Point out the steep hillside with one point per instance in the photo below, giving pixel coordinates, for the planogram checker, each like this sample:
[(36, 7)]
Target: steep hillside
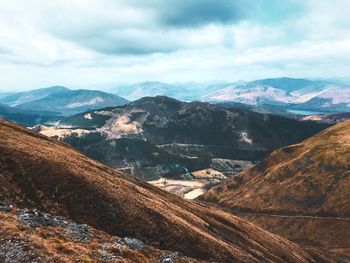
[(62, 101), (307, 183), (41, 173), (179, 135)]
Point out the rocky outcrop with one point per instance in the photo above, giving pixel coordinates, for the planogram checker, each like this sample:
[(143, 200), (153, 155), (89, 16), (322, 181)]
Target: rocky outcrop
[(31, 236), (33, 218), (131, 243)]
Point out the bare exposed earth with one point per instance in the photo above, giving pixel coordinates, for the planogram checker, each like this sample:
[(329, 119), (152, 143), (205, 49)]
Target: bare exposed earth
[(40, 173), (189, 189), (59, 132), (328, 118), (194, 184), (301, 191)]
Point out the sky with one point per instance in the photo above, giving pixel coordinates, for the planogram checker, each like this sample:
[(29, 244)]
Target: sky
[(100, 43)]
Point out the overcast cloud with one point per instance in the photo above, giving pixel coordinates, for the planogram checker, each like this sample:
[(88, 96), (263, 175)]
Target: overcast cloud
[(96, 43)]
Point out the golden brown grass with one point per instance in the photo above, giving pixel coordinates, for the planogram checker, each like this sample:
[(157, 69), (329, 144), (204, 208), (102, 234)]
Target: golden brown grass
[(309, 178), (50, 245)]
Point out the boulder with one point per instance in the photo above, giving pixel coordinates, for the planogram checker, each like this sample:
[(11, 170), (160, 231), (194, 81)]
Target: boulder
[(131, 243)]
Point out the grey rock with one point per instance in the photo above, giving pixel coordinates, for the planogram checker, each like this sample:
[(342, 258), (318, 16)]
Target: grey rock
[(169, 257), (78, 232), (103, 255), (129, 242), (5, 209), (15, 251)]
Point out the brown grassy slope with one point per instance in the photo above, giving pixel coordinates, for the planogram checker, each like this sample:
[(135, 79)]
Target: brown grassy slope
[(38, 172), (23, 243), (312, 178), (334, 235), (309, 178)]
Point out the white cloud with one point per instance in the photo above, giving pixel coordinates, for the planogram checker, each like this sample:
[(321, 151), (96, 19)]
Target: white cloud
[(251, 34), (305, 52), (326, 19), (88, 42)]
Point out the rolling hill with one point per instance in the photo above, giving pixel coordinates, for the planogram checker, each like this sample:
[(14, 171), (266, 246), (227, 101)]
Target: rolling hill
[(40, 173), (300, 191), (61, 101), (27, 117), (161, 136), (182, 91)]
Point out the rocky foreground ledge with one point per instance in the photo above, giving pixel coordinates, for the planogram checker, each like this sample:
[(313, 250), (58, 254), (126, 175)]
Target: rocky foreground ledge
[(32, 236)]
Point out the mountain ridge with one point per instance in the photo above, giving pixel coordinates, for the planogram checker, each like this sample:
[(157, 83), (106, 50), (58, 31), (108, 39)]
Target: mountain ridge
[(285, 93), (186, 134), (300, 191), (325, 148)]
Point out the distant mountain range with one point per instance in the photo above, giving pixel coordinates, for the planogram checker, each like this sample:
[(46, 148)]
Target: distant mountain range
[(27, 117), (282, 96), (61, 101), (4, 94), (287, 93), (279, 93), (189, 91)]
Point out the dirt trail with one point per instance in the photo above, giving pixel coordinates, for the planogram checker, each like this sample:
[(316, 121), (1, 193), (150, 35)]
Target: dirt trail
[(290, 216)]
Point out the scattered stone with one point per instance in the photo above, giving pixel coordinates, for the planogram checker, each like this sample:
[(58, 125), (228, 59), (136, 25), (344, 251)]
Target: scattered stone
[(106, 252), (78, 232), (37, 128), (106, 247), (103, 255), (129, 242), (169, 257), (5, 209), (15, 251)]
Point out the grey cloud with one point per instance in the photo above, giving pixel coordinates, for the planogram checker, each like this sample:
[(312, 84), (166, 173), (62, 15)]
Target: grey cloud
[(157, 33), (5, 51), (110, 41), (185, 13), (124, 42)]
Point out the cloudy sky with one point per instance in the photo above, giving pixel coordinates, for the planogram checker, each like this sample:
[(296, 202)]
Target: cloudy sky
[(98, 43)]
